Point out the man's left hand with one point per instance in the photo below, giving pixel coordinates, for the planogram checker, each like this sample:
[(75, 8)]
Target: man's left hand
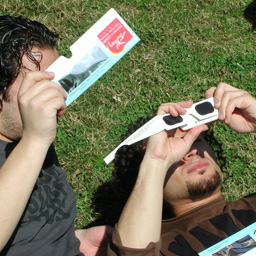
[(237, 108)]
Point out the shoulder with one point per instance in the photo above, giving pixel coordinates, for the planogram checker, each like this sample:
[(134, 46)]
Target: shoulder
[(247, 202)]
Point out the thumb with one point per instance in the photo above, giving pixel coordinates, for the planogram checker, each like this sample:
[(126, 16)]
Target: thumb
[(193, 133)]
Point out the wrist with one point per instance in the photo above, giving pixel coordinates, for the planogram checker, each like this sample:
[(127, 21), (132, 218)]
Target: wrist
[(154, 168), (162, 164), (35, 144), (37, 139)]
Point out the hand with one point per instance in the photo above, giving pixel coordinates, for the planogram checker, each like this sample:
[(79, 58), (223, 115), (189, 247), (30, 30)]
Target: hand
[(171, 146), (41, 101), (237, 108), (94, 241)]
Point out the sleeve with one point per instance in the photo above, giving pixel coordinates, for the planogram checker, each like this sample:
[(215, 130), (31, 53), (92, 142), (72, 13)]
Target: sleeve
[(115, 248)]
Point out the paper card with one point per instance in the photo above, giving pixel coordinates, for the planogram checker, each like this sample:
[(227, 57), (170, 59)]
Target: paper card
[(240, 243), (93, 54)]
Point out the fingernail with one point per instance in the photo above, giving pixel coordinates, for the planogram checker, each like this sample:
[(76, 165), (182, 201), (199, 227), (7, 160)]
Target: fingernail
[(220, 116), (50, 73)]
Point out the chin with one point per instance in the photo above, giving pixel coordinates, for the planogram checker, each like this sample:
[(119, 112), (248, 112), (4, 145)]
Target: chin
[(205, 186)]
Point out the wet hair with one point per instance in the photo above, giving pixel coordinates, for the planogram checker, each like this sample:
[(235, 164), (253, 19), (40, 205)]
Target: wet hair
[(18, 36)]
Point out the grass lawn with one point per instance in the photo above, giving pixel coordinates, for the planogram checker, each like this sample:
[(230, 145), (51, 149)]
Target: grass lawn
[(186, 47)]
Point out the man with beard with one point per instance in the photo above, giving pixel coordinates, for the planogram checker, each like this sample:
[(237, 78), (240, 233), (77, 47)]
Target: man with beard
[(179, 168)]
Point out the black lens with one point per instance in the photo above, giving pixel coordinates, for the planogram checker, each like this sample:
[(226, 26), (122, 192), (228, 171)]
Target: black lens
[(204, 108), (170, 120)]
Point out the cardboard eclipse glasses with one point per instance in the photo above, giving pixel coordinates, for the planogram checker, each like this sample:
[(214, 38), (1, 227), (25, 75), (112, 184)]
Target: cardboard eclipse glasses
[(199, 113)]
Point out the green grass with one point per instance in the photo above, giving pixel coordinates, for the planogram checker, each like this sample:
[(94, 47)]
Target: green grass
[(185, 48)]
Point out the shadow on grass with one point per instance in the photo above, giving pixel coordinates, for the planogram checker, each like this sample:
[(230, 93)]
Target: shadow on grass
[(250, 14), (110, 198)]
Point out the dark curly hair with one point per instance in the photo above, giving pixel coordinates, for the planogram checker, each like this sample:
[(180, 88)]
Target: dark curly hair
[(18, 36)]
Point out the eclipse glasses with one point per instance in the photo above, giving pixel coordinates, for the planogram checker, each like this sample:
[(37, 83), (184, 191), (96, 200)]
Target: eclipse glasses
[(199, 113)]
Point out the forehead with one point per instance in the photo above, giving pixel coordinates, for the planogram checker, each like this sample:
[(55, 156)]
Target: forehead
[(200, 139)]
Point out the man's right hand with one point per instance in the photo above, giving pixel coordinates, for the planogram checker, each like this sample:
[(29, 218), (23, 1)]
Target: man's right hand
[(169, 147), (41, 101)]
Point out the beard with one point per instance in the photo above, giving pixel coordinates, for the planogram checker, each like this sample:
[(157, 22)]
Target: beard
[(11, 125), (205, 186)]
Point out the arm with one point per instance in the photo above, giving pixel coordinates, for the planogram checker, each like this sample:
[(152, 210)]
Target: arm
[(140, 221), (40, 102), (237, 108)]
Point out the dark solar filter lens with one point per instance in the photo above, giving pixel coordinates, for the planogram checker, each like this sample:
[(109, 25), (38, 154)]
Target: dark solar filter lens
[(170, 120), (204, 108)]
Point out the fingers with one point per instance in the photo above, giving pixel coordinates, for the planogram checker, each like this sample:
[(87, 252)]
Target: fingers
[(36, 88), (222, 89), (210, 92), (229, 102), (174, 109), (41, 101), (42, 91), (227, 98), (31, 78), (41, 80)]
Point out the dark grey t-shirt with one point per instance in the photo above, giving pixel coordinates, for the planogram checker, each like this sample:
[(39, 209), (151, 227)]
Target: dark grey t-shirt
[(47, 225)]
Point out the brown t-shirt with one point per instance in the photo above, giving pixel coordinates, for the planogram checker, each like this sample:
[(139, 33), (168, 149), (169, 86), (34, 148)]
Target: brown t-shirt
[(193, 232)]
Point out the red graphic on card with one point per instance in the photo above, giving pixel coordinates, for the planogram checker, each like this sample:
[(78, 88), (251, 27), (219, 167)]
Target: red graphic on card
[(115, 36)]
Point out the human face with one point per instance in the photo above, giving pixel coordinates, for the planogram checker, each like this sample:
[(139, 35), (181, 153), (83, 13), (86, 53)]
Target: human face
[(195, 176), (10, 119)]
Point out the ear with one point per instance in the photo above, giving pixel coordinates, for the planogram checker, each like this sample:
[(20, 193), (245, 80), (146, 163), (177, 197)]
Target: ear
[(2, 96)]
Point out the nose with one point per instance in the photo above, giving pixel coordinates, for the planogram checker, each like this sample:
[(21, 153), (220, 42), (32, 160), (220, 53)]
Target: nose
[(192, 152)]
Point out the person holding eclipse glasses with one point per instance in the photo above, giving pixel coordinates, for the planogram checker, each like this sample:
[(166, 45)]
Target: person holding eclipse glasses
[(179, 171), (38, 205)]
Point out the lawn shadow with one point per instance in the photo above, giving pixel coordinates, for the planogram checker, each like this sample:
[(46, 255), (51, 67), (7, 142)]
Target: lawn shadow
[(110, 198), (250, 14)]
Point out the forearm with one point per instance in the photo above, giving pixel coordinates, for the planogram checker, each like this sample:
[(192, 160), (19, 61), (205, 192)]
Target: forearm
[(18, 176), (140, 221)]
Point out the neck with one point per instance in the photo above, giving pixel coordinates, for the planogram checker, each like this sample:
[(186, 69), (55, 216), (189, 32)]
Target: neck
[(182, 206)]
